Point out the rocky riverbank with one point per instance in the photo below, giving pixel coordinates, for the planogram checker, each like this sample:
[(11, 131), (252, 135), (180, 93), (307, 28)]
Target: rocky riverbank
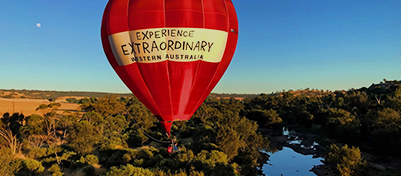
[(302, 143)]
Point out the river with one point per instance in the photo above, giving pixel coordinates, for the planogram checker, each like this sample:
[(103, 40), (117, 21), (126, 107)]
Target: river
[(288, 162)]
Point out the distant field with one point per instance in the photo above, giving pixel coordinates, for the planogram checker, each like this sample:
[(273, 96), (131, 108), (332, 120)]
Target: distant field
[(28, 106), (26, 101)]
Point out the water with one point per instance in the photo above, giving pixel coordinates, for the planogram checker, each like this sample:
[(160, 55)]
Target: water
[(288, 163)]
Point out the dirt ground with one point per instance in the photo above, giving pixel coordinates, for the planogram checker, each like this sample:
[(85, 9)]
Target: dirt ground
[(28, 106)]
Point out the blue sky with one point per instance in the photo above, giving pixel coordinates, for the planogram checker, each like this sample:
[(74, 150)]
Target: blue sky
[(283, 44)]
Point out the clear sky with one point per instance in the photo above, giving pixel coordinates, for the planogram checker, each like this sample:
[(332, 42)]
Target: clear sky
[(283, 44)]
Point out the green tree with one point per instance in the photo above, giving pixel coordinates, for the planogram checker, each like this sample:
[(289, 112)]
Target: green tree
[(9, 165), (239, 134), (72, 100), (347, 161), (33, 166), (128, 170), (357, 102), (344, 126), (34, 125), (388, 118), (115, 124), (55, 170), (93, 117), (105, 106), (386, 132), (83, 136), (265, 118), (65, 123), (48, 109)]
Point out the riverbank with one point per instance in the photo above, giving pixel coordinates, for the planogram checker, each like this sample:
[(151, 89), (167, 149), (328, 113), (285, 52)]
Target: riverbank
[(301, 143), (304, 143)]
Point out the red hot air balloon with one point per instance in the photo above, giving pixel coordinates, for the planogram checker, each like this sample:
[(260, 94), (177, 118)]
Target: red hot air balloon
[(170, 53)]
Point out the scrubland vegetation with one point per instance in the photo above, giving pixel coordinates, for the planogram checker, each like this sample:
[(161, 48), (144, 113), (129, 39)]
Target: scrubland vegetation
[(118, 136)]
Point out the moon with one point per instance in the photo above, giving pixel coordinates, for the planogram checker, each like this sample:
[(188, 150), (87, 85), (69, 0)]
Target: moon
[(38, 25)]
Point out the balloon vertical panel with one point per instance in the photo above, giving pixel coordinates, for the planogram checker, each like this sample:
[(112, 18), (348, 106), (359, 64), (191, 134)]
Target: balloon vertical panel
[(217, 17), (228, 54), (115, 21), (185, 14), (145, 15)]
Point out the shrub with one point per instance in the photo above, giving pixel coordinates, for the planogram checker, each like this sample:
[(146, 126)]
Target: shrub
[(129, 170), (55, 170), (8, 164), (347, 161), (37, 152), (33, 166), (91, 159)]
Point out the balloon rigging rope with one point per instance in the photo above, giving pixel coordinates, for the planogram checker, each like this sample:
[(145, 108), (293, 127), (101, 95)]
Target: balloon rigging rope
[(157, 140), (149, 136)]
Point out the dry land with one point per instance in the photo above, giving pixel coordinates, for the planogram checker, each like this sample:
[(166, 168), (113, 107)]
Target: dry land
[(28, 106)]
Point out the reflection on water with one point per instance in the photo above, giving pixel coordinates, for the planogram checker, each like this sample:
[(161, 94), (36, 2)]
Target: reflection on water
[(285, 131), (287, 163)]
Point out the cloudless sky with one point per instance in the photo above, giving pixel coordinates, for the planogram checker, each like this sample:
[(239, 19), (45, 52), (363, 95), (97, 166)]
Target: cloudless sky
[(283, 44)]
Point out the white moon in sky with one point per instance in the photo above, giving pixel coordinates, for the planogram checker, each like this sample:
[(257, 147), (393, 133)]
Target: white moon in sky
[(38, 25)]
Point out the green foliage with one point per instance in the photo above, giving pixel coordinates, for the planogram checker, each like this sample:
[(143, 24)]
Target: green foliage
[(72, 100), (90, 159), (211, 158), (348, 161), (34, 125), (93, 117), (268, 118), (83, 137), (223, 131), (105, 106), (65, 123), (50, 108), (217, 125), (128, 170), (8, 164), (115, 124), (33, 166), (386, 133), (137, 138), (367, 117), (388, 118), (55, 170), (37, 152), (139, 116), (66, 155), (340, 117)]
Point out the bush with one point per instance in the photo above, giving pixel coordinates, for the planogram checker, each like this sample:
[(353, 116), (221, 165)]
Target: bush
[(55, 170), (33, 166), (72, 100), (8, 164), (129, 170), (37, 152), (347, 161), (91, 159)]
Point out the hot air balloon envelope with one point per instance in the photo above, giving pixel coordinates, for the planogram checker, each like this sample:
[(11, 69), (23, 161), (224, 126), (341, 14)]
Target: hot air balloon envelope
[(170, 53)]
